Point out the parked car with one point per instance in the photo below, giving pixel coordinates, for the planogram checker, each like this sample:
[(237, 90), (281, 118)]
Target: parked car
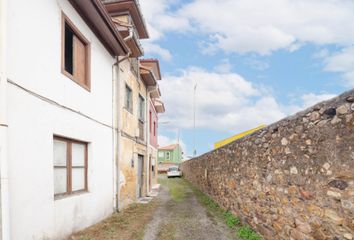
[(174, 172)]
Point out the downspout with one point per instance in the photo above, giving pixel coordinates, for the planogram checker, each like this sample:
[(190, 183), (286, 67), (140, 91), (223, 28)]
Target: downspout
[(115, 132), (147, 128), (147, 112), (130, 36), (117, 126), (117, 120), (4, 194), (124, 58)]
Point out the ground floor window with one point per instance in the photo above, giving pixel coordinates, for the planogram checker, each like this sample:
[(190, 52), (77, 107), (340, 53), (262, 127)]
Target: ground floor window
[(70, 166), (153, 170)]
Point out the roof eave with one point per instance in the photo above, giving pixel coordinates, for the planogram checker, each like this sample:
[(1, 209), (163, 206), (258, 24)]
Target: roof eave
[(148, 77), (160, 108), (138, 50), (95, 15), (155, 61), (156, 93), (134, 9)]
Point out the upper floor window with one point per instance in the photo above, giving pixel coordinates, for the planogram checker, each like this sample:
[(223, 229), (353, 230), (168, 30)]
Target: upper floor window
[(75, 54), (70, 166), (150, 120), (168, 155), (141, 108), (155, 128), (128, 98)]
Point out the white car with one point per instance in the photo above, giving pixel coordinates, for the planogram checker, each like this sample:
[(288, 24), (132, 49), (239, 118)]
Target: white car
[(174, 172)]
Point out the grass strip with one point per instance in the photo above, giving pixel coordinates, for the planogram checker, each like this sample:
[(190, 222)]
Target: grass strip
[(242, 231), (128, 224)]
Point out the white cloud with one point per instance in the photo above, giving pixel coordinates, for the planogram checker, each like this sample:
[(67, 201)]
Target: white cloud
[(321, 54), (224, 67), (265, 26), (224, 101), (311, 99), (159, 19), (257, 64), (153, 48), (342, 62), (305, 101)]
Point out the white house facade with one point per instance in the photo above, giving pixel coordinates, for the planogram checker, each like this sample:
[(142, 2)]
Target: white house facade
[(64, 70), (57, 116)]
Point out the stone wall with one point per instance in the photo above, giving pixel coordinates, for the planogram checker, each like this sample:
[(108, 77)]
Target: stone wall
[(291, 180)]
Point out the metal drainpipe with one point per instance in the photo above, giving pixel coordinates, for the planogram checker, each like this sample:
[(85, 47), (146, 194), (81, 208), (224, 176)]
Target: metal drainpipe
[(118, 124), (117, 119), (4, 195), (117, 129), (115, 79), (148, 131), (131, 34)]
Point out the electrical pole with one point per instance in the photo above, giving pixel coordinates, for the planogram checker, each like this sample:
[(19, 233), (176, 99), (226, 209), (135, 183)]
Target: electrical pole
[(194, 110)]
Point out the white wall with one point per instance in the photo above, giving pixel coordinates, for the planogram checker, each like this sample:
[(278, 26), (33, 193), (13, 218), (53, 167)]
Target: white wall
[(34, 62), (4, 198)]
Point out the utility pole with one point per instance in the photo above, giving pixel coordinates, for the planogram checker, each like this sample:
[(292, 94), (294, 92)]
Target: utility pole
[(194, 110)]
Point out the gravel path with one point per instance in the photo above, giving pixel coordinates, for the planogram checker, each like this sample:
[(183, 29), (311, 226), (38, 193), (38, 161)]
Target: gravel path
[(184, 219)]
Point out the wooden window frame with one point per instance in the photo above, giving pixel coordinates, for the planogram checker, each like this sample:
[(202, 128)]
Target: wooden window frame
[(150, 121), (69, 167), (78, 34), (130, 107), (155, 128), (141, 118)]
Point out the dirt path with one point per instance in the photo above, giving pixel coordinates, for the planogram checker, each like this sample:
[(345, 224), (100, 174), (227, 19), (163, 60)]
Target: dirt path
[(180, 216), (180, 212)]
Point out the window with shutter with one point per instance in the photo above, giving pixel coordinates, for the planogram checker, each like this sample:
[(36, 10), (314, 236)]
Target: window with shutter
[(76, 54), (141, 108), (80, 61), (128, 99)]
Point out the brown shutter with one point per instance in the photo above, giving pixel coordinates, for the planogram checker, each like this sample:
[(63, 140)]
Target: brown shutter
[(80, 61)]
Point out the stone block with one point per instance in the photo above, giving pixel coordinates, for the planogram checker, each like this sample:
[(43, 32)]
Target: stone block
[(334, 217)]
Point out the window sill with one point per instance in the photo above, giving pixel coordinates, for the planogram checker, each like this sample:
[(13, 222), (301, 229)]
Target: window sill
[(69, 195), (68, 75)]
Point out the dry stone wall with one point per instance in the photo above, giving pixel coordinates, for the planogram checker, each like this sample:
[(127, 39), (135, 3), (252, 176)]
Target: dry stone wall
[(291, 180)]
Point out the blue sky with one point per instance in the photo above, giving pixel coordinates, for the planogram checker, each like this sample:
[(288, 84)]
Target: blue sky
[(251, 66)]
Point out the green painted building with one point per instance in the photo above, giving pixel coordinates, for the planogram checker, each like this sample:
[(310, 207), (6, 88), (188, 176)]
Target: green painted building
[(170, 154)]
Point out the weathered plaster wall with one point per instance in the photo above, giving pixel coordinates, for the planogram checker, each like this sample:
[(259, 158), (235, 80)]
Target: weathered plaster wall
[(153, 170), (34, 62), (291, 180), (152, 120), (130, 146)]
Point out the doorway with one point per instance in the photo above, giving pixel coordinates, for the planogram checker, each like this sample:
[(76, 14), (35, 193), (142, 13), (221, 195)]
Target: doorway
[(150, 174), (140, 175)]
